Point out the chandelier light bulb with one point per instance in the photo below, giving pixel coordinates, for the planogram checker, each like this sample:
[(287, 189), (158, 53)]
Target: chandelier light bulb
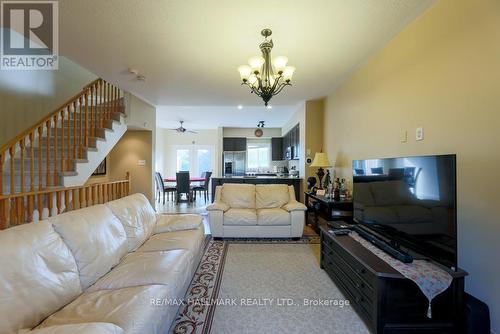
[(256, 63), (288, 72), (245, 72), (252, 80), (280, 63)]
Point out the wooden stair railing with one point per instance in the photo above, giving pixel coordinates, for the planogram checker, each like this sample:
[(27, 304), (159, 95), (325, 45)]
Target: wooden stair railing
[(18, 209), (35, 161)]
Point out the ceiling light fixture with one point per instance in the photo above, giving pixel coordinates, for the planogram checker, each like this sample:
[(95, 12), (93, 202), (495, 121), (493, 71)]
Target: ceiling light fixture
[(240, 107), (265, 78)]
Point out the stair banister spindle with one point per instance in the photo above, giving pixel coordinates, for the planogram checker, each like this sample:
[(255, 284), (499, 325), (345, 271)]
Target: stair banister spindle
[(40, 134), (101, 106), (74, 130), (80, 142), (2, 161), (47, 155), (86, 125), (12, 176), (56, 119), (31, 208), (23, 181), (63, 141), (108, 104), (32, 161), (91, 110)]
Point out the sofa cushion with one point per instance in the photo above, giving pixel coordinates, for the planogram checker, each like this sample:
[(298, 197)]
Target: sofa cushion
[(147, 268), (240, 217), (273, 217), (85, 328), (171, 223), (391, 193), (363, 193), (38, 275), (96, 239), (186, 239), (138, 310), (271, 195), (238, 196), (137, 217)]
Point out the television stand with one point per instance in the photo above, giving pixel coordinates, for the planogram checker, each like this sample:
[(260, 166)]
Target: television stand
[(387, 301)]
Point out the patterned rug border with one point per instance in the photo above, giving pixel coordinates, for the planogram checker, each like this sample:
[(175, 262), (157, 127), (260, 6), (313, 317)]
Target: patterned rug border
[(303, 240), (196, 314)]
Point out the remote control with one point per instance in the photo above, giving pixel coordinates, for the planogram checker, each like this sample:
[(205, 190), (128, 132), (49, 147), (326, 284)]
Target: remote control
[(340, 232)]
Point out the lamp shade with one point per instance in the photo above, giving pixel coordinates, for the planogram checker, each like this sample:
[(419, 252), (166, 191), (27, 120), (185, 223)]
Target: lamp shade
[(321, 160)]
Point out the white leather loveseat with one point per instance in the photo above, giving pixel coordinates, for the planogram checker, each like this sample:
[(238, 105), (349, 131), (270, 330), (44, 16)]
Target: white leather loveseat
[(256, 211), (105, 269)]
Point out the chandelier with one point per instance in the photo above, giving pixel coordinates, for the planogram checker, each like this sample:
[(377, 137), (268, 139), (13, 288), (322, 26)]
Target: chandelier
[(264, 78)]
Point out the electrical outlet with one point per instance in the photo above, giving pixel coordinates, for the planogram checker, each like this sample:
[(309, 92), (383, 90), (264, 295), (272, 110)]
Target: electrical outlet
[(141, 162), (419, 134)]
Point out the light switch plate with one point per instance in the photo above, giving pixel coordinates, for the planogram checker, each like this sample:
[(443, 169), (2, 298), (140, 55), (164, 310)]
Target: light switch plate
[(419, 133), (404, 136), (141, 162)]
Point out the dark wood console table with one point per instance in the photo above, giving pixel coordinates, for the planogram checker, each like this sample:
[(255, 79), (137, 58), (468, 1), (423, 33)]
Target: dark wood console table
[(388, 302), (321, 209)]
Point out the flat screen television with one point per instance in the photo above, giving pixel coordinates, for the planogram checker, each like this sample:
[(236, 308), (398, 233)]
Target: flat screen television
[(409, 202)]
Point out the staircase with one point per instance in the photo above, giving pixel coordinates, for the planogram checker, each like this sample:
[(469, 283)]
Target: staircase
[(44, 169)]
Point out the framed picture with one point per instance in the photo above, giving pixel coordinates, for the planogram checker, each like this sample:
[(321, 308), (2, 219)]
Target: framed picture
[(101, 169), (321, 192)]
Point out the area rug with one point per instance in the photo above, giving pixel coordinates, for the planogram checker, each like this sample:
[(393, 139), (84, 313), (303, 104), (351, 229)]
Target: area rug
[(245, 287)]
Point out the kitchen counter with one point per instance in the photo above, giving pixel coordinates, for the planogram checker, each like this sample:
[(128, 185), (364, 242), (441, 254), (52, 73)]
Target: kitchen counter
[(288, 180)]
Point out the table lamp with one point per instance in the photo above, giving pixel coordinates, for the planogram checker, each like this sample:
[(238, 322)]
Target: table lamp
[(321, 160)]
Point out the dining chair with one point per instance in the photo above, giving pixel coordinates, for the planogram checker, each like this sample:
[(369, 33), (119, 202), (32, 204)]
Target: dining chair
[(164, 188), (204, 186), (183, 186)]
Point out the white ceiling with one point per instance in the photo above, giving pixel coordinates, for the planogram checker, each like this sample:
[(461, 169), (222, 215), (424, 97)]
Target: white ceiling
[(189, 49), (204, 117)]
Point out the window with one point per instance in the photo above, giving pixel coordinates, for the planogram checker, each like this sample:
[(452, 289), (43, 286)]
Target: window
[(183, 160), (258, 155), (194, 158)]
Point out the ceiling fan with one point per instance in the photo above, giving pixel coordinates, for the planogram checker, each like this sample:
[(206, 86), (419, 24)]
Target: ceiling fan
[(182, 129)]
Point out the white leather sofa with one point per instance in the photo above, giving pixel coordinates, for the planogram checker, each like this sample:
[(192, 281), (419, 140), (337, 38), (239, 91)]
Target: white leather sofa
[(106, 269), (256, 211)]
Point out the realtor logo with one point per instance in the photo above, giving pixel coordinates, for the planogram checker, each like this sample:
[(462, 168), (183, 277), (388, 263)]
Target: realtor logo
[(29, 35)]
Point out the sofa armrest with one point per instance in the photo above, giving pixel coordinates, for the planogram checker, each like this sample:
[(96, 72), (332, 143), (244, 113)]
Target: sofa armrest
[(171, 223), (294, 206), (218, 206)]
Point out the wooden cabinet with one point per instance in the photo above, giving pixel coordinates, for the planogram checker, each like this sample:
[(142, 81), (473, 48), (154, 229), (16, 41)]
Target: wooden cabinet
[(295, 141), (388, 302), (292, 139), (234, 144), (277, 148)]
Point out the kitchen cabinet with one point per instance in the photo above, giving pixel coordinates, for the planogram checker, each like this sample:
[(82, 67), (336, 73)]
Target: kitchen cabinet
[(234, 144), (292, 139), (277, 148)]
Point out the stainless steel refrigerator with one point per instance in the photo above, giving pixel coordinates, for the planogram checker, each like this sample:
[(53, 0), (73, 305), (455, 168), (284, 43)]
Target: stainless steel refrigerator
[(234, 163)]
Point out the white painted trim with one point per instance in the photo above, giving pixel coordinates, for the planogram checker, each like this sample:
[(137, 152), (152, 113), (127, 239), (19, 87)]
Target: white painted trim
[(84, 170)]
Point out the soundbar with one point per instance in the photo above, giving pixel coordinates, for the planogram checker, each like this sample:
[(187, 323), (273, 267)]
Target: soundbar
[(395, 253)]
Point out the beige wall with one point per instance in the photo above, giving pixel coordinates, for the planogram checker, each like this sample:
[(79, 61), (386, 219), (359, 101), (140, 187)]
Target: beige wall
[(167, 140), (314, 133), (28, 96), (132, 147), (443, 73)]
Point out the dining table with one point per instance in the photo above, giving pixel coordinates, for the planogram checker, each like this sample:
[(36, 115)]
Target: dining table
[(191, 179)]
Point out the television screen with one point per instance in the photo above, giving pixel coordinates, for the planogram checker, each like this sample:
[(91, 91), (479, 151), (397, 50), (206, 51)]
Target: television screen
[(411, 203)]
